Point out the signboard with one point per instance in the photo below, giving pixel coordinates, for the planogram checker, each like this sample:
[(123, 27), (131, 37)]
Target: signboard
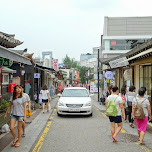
[(0, 82), (4, 62), (37, 75), (119, 62), (55, 64), (109, 75), (93, 87)]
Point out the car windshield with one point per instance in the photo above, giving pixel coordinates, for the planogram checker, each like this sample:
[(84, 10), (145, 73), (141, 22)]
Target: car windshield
[(75, 93)]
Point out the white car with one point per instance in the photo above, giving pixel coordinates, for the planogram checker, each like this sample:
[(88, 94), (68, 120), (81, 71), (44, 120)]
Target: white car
[(74, 101)]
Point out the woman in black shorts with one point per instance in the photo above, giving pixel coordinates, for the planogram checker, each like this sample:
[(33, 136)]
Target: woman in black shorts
[(118, 119)]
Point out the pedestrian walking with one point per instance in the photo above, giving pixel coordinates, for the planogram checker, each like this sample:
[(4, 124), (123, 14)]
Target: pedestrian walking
[(145, 95), (19, 114), (115, 109), (141, 122), (28, 108), (123, 96), (52, 90), (60, 88), (109, 92), (129, 99), (45, 98)]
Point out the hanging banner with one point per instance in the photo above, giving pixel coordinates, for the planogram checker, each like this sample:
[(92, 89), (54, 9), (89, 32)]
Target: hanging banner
[(1, 82), (55, 64)]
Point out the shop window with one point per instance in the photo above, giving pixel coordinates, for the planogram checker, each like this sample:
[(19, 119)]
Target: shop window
[(5, 78)]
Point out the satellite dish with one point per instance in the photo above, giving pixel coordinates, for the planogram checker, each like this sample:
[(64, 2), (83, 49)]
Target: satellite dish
[(128, 74)]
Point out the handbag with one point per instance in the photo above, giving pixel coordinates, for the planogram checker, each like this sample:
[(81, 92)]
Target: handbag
[(28, 113)]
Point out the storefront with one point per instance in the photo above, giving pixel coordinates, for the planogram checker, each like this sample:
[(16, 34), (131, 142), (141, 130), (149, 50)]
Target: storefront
[(134, 68)]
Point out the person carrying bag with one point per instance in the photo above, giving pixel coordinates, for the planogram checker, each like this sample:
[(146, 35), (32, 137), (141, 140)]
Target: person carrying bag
[(141, 111)]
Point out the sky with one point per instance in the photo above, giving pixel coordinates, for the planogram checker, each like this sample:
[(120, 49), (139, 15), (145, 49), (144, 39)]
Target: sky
[(64, 27)]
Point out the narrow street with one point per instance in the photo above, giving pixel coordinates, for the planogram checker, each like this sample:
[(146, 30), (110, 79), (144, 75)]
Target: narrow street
[(91, 134)]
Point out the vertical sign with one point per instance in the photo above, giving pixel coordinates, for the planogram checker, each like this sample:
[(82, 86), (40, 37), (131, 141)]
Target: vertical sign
[(1, 79), (55, 64)]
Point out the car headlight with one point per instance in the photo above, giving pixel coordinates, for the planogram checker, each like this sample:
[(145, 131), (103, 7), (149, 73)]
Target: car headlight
[(60, 103), (88, 104)]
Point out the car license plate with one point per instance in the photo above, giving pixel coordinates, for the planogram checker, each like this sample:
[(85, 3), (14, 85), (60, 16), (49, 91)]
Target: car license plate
[(74, 110)]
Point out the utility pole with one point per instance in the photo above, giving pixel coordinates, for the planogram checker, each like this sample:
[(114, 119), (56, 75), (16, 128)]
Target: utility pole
[(98, 77)]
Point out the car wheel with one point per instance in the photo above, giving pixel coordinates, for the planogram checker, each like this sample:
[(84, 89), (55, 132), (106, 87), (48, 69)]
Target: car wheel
[(91, 115), (58, 114)]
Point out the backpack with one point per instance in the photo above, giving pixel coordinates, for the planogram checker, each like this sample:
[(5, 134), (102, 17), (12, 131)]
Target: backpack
[(111, 108), (139, 112)]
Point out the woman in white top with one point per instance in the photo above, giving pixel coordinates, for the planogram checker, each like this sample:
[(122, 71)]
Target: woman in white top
[(19, 114), (118, 119), (45, 97), (142, 124)]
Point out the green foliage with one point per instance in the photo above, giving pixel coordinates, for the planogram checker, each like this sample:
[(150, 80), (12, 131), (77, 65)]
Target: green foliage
[(82, 71), (73, 64), (4, 105), (67, 59)]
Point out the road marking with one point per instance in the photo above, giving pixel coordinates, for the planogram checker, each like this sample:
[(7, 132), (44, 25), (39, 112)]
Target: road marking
[(124, 131), (45, 131), (41, 139), (143, 147)]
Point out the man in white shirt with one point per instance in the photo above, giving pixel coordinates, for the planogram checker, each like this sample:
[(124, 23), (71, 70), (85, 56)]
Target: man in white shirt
[(28, 107)]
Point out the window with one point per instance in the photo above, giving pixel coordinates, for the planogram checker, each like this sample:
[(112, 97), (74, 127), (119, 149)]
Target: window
[(124, 44), (75, 93), (5, 78)]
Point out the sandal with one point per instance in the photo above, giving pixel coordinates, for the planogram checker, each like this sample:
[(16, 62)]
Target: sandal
[(114, 139), (13, 143), (131, 125), (141, 144), (17, 144)]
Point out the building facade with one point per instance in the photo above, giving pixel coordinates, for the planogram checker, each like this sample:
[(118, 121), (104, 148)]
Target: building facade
[(121, 34)]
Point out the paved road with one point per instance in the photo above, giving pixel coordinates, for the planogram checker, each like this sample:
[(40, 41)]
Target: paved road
[(84, 134)]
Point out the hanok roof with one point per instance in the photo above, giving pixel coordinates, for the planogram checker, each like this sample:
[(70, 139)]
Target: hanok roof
[(8, 40)]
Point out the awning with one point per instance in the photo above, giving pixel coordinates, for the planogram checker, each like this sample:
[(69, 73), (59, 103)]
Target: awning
[(8, 54), (8, 70), (138, 55)]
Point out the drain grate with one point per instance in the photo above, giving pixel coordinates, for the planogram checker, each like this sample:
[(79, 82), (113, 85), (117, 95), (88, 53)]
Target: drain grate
[(126, 137)]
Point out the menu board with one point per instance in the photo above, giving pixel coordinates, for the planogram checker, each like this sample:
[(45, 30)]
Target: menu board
[(1, 82)]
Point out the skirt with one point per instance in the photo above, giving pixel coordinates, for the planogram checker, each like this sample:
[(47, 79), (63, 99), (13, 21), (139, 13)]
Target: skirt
[(142, 124)]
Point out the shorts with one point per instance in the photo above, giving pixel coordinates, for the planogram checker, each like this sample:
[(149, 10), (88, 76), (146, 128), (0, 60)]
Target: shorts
[(18, 118), (116, 119), (44, 100)]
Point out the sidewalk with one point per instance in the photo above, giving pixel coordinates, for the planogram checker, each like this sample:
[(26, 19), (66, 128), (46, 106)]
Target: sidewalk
[(33, 131), (127, 129)]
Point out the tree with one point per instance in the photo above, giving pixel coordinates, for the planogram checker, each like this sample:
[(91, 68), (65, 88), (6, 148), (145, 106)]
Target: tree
[(82, 71), (67, 59)]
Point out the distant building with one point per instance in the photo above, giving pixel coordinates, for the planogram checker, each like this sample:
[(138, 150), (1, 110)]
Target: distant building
[(85, 57), (48, 62), (90, 63), (121, 34)]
